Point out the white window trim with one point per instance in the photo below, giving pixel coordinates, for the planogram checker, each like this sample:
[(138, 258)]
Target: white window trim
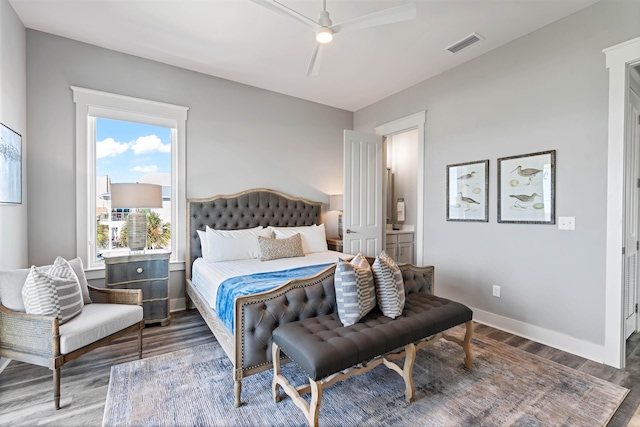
[(91, 103)]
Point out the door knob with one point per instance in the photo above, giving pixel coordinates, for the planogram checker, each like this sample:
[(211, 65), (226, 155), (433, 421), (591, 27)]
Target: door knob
[(350, 231)]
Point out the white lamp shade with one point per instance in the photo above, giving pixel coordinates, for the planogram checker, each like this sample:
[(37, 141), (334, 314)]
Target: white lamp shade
[(336, 202), (133, 195)]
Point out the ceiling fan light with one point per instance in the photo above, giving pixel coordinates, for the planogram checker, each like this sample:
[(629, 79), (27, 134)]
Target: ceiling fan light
[(324, 35)]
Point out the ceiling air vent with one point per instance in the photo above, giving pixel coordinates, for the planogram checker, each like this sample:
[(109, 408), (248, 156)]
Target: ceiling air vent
[(465, 42)]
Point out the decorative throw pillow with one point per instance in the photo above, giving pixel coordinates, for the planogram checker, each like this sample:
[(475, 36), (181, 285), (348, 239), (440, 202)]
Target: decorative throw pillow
[(78, 268), (314, 238), (49, 295), (355, 289), (389, 285), (280, 248)]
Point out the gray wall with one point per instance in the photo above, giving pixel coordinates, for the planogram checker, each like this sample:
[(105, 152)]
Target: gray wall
[(547, 90), (238, 137), (13, 113)]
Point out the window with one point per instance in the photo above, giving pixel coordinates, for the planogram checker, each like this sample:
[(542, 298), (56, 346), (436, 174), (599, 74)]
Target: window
[(128, 152), (125, 139)]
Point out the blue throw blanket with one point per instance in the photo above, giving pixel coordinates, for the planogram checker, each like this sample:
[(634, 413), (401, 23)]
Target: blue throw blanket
[(253, 284)]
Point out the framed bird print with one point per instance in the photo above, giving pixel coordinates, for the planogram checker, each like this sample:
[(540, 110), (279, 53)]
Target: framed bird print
[(526, 188), (468, 191)]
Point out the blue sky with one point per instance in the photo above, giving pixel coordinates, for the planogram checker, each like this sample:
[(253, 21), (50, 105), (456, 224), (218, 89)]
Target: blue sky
[(128, 151)]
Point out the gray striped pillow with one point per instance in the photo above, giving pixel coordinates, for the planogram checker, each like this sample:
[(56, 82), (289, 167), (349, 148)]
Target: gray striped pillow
[(55, 292), (355, 289), (389, 285)]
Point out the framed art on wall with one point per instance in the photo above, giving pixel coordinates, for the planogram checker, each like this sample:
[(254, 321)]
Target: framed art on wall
[(10, 166), (526, 188), (468, 191)]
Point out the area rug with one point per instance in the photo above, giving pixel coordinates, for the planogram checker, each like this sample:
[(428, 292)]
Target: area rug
[(505, 387)]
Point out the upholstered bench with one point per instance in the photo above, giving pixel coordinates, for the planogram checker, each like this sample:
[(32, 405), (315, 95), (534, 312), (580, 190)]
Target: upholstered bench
[(329, 352)]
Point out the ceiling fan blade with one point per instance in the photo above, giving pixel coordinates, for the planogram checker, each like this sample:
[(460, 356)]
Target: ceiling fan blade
[(405, 12), (316, 57), (283, 10)]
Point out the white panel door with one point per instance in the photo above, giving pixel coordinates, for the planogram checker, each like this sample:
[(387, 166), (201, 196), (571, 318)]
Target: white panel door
[(632, 159), (363, 221)]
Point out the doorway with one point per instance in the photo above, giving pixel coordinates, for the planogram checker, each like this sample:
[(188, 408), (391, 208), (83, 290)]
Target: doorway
[(414, 126), (619, 60), (401, 151)]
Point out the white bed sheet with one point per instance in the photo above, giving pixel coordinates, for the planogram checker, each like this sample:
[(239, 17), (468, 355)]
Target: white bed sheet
[(207, 276)]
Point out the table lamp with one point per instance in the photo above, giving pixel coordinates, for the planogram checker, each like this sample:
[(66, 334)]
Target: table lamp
[(136, 196), (336, 203)]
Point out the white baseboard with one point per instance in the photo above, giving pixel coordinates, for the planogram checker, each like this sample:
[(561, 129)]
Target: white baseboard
[(548, 337), (177, 304)]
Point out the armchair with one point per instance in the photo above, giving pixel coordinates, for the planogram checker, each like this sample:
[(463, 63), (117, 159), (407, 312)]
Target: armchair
[(41, 340)]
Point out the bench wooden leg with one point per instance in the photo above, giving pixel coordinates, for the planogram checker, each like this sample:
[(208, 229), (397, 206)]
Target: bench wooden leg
[(310, 410), (466, 345), (275, 387), (316, 399), (407, 372)]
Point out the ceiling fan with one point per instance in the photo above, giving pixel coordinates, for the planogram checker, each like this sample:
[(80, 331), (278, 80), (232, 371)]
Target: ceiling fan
[(325, 29)]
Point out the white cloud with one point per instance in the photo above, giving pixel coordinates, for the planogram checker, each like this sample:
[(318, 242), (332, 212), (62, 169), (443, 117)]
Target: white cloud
[(150, 144), (110, 148), (145, 169)]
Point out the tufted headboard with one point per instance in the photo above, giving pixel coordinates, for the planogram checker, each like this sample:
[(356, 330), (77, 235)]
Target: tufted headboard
[(247, 209)]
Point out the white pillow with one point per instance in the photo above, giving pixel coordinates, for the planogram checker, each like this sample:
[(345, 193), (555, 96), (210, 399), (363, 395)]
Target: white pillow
[(78, 269), (204, 248), (230, 245), (314, 238)]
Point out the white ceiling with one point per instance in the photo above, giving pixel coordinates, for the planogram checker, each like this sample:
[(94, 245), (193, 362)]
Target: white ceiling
[(242, 41)]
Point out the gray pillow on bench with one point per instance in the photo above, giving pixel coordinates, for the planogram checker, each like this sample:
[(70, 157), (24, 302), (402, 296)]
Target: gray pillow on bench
[(355, 289)]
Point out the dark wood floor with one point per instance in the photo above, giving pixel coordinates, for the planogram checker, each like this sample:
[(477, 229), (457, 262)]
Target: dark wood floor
[(26, 391)]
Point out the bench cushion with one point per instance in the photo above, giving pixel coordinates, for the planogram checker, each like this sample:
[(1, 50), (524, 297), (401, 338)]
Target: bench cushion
[(322, 346)]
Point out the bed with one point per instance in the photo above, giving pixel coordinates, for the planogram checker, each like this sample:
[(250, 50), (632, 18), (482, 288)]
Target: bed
[(255, 316)]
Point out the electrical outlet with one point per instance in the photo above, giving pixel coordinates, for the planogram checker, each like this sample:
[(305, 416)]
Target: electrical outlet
[(567, 223), (496, 291)]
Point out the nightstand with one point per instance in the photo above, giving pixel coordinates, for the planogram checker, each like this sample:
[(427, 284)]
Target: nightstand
[(148, 271), (334, 245)]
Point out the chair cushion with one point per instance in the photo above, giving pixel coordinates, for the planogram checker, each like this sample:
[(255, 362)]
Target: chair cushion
[(97, 321)]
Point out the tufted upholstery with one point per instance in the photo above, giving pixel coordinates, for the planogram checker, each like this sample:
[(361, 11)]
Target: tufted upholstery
[(321, 346), (246, 210), (263, 315), (260, 319)]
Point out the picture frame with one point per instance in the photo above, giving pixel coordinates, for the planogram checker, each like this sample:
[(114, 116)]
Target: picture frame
[(468, 191), (526, 188), (10, 166)]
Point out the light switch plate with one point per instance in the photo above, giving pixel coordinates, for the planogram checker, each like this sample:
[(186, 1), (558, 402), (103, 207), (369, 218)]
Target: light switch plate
[(566, 223)]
